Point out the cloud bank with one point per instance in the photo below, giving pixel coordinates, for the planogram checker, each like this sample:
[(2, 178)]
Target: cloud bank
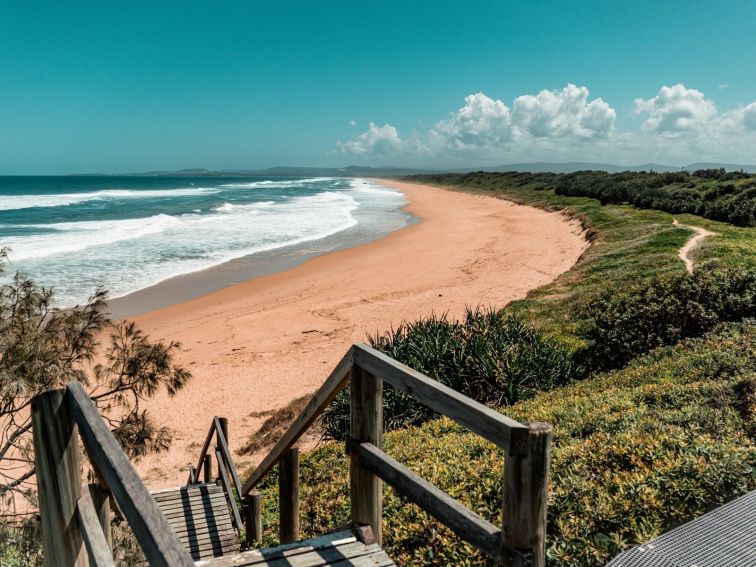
[(678, 125)]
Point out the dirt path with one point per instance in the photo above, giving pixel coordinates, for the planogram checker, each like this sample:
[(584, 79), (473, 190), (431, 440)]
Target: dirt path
[(695, 240)]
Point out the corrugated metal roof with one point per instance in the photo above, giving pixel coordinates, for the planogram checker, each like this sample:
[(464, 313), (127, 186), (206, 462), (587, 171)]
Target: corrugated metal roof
[(725, 537)]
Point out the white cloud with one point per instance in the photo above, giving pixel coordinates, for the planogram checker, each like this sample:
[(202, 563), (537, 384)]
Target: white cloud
[(377, 140), (481, 122), (680, 125), (748, 116), (353, 122), (676, 109), (723, 86), (563, 113)]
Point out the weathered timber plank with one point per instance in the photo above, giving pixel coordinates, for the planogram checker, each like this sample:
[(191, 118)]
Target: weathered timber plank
[(227, 487), (288, 496), (332, 539), (159, 543), (525, 498), (101, 502), (253, 516), (343, 553), (98, 549), (185, 530), (503, 431), (198, 508), (202, 462), (221, 434), (462, 521), (186, 504), (320, 400), (366, 425), (218, 524), (58, 466), (192, 499), (204, 489)]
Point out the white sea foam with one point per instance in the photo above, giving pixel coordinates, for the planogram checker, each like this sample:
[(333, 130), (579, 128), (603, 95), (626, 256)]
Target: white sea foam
[(130, 254), (70, 237), (272, 184), (14, 202), (231, 226)]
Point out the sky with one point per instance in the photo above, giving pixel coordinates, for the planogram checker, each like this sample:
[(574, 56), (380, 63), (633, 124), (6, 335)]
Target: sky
[(137, 86)]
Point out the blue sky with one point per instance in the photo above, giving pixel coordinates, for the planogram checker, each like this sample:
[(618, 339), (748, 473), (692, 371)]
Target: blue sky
[(100, 86)]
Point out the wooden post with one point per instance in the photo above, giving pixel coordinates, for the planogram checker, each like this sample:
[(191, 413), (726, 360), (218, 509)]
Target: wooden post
[(366, 489), (288, 496), (58, 465), (253, 517), (207, 468), (526, 492), (101, 501), (224, 430)]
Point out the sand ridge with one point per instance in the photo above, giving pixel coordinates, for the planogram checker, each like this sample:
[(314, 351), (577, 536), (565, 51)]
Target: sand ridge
[(257, 345)]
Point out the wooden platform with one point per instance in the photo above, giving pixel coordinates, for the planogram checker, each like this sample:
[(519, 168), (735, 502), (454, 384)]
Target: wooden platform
[(340, 548), (201, 519)]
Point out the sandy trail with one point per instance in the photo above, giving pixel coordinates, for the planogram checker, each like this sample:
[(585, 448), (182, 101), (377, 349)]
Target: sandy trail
[(257, 345), (695, 240)]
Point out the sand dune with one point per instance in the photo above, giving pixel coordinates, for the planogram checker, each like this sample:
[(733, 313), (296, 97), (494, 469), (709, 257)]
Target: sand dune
[(257, 345)]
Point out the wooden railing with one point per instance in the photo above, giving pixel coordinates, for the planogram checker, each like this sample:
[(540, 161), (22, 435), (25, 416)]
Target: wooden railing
[(76, 519), (520, 540), (225, 468)]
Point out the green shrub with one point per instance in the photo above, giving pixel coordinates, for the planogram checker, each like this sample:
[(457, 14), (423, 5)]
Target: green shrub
[(713, 194), (623, 324), (635, 452), (490, 356), (20, 542)]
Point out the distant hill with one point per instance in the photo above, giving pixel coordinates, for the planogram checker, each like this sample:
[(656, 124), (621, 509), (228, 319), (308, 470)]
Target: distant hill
[(284, 171), (390, 171)]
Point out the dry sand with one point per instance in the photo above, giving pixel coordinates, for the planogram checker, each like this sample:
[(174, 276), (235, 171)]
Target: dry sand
[(257, 345)]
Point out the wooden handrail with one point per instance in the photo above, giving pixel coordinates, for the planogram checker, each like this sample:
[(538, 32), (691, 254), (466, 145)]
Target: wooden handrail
[(520, 542), (501, 430), (324, 396), (225, 453), (223, 476), (155, 535), (461, 520), (94, 538)]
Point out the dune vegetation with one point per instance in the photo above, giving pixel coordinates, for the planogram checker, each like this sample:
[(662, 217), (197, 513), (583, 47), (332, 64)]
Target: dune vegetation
[(646, 372)]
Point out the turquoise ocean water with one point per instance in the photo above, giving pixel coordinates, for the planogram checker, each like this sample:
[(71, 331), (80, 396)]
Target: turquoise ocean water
[(76, 233)]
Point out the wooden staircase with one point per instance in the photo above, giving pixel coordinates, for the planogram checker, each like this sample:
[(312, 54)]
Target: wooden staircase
[(202, 522), (201, 519)]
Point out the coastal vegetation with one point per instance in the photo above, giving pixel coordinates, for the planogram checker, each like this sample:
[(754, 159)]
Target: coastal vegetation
[(711, 193), (489, 355), (653, 414), (43, 348)]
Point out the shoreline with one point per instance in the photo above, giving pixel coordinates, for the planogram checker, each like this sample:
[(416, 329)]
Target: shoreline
[(191, 285), (255, 346)]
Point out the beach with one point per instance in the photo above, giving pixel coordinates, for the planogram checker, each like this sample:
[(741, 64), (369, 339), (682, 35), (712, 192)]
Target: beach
[(255, 346)]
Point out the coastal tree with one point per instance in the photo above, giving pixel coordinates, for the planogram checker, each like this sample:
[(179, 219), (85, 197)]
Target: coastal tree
[(43, 347)]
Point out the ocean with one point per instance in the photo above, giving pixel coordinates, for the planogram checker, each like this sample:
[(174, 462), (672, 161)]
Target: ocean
[(77, 233)]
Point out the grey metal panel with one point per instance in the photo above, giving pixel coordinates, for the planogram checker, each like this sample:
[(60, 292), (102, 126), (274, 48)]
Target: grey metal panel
[(725, 537)]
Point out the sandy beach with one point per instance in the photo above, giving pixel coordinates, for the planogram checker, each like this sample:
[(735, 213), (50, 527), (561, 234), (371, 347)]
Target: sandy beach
[(257, 345)]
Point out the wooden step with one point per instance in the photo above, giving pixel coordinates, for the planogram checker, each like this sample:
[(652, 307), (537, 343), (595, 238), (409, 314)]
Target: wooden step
[(200, 516), (341, 549)]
